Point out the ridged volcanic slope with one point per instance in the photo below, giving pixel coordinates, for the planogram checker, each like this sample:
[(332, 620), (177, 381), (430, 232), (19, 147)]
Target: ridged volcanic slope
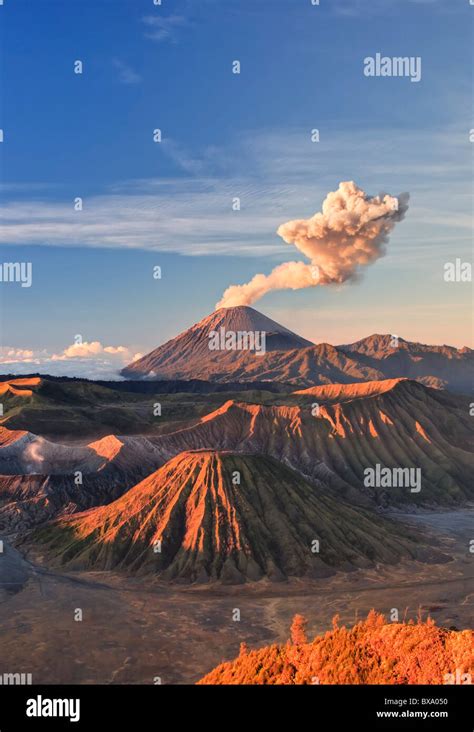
[(212, 527)]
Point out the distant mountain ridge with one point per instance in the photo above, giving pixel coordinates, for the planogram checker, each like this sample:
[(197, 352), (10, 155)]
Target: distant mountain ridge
[(294, 360), (379, 345), (437, 366)]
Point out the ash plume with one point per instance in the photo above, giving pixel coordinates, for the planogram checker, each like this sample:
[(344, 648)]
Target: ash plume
[(347, 235)]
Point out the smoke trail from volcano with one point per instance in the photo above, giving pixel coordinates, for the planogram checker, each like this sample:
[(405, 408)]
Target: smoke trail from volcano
[(349, 234)]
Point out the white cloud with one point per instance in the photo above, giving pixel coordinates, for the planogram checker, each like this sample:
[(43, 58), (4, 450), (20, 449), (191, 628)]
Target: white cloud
[(90, 360), (8, 353), (126, 74), (277, 175), (163, 28), (79, 350)]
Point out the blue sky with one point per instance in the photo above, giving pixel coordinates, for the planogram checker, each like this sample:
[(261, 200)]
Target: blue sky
[(224, 135)]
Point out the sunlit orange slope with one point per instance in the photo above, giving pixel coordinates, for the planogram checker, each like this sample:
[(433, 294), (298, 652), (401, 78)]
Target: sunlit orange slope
[(16, 387), (345, 392)]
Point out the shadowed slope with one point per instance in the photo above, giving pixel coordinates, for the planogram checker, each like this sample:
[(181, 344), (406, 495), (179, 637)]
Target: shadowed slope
[(229, 517)]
